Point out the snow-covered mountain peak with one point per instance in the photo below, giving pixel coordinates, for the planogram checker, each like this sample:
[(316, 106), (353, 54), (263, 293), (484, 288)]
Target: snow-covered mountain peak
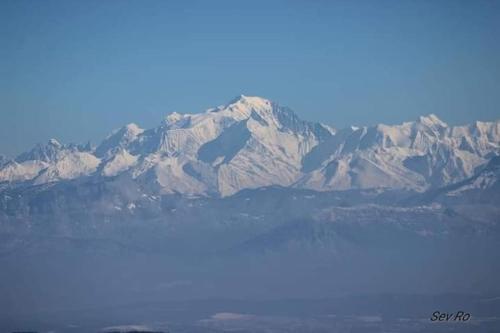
[(250, 101), (432, 120), (55, 143), (42, 152), (264, 113), (244, 106), (133, 129), (119, 138), (173, 118), (255, 101), (238, 109)]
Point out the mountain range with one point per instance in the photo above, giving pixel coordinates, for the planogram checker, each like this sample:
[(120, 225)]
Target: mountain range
[(247, 201), (252, 142)]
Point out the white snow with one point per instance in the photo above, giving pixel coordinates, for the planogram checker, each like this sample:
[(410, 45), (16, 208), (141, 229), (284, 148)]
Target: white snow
[(69, 166), (122, 161), (27, 170), (252, 142)]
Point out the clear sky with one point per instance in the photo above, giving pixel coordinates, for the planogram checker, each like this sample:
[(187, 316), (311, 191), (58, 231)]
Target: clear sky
[(75, 70)]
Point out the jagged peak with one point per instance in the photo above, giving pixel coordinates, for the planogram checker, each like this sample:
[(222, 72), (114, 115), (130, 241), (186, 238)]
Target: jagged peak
[(482, 126), (43, 152), (271, 113), (173, 117), (117, 138), (431, 120), (53, 142), (250, 100), (130, 129), (133, 127), (87, 147)]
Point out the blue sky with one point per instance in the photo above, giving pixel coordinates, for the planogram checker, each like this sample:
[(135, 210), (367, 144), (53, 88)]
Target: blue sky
[(75, 70)]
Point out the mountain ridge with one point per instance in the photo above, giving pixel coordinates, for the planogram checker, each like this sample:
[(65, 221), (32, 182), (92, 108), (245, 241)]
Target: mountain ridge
[(252, 142)]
